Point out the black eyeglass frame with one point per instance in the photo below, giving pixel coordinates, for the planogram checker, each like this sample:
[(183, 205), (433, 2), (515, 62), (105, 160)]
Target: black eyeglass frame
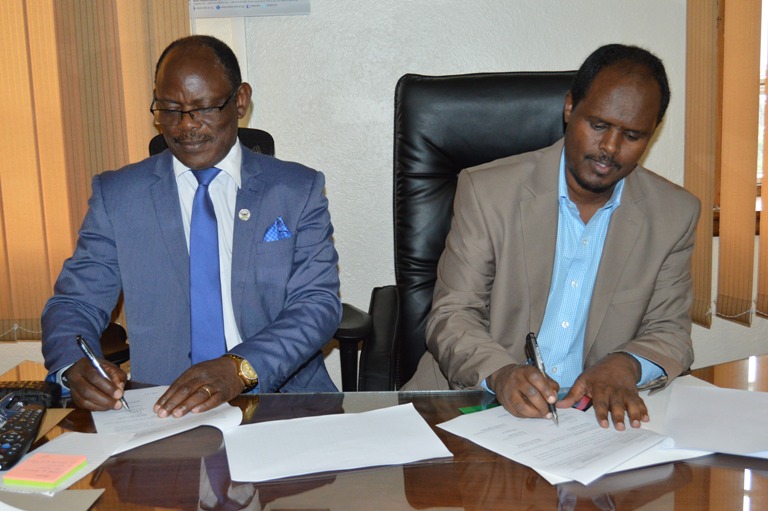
[(193, 111)]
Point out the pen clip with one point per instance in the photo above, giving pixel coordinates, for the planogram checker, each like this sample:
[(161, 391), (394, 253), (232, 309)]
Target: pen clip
[(529, 354), (84, 346), (533, 353)]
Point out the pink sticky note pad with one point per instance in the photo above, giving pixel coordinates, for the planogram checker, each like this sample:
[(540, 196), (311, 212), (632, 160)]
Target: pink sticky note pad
[(44, 470)]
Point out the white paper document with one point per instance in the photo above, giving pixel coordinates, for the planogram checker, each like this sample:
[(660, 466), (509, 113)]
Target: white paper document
[(661, 452), (284, 448), (147, 427), (722, 420), (578, 449), (70, 500), (657, 405)]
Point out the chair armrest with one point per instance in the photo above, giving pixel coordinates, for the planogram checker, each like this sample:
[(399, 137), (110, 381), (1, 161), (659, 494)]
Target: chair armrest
[(114, 344), (378, 359), (355, 326)]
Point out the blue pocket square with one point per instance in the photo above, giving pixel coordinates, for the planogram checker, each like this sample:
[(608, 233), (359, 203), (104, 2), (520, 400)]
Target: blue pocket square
[(277, 231)]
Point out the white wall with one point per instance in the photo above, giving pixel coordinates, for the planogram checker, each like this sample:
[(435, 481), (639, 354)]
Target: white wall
[(324, 83)]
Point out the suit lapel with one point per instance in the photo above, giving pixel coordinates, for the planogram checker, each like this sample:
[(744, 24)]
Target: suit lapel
[(539, 224), (623, 232), (249, 198), (165, 197)]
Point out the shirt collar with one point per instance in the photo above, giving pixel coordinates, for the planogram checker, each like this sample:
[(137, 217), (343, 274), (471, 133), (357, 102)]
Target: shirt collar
[(231, 164), (562, 188)]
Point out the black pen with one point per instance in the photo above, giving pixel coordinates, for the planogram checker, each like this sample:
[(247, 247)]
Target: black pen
[(534, 358), (95, 363)]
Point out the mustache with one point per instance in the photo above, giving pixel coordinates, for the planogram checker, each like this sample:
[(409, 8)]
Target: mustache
[(604, 159), (192, 138)]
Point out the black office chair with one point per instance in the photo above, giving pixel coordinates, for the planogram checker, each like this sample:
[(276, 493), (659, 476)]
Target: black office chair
[(355, 324), (444, 124), (114, 344)]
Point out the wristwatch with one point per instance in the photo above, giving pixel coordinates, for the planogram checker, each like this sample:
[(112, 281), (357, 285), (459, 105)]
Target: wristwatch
[(245, 371)]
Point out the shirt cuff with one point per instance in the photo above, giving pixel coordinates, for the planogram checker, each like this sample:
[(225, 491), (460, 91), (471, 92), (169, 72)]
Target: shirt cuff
[(56, 378), (649, 371), (485, 386)]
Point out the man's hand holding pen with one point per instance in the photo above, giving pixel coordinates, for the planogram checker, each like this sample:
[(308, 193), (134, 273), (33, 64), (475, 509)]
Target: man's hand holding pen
[(535, 359), (524, 391), (90, 390)]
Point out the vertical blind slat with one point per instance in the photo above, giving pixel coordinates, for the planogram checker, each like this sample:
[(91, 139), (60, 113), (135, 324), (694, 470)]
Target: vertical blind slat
[(701, 141), (741, 63)]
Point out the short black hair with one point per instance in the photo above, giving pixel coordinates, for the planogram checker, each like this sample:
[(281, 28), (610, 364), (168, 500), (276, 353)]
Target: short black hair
[(626, 56), (221, 51)]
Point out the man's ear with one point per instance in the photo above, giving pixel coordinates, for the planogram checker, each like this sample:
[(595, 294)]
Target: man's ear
[(568, 107), (243, 99)]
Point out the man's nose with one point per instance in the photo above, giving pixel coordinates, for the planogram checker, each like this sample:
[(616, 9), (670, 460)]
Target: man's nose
[(610, 143), (187, 121)]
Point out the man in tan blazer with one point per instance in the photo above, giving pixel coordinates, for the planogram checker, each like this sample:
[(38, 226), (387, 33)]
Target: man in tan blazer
[(518, 260)]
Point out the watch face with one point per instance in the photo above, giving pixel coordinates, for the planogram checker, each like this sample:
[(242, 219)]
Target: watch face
[(247, 370)]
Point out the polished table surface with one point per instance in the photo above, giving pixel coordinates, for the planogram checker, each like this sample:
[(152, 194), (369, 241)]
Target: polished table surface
[(189, 471)]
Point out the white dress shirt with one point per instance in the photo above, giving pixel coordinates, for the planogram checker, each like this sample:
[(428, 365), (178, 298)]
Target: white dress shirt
[(223, 191)]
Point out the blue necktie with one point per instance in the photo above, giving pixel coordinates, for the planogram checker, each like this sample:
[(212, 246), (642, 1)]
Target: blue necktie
[(208, 340)]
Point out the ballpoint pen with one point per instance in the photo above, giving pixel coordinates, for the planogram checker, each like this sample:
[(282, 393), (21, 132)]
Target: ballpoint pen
[(534, 358), (89, 354)]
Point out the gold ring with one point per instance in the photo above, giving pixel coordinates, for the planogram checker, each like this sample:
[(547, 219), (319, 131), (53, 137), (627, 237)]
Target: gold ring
[(205, 388)]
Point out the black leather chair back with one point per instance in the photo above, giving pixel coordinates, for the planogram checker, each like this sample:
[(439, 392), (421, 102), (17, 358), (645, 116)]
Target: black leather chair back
[(254, 139), (444, 124)]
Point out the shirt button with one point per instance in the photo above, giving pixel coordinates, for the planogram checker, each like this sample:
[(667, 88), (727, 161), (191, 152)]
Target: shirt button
[(574, 284), (565, 324), (554, 369), (584, 242)]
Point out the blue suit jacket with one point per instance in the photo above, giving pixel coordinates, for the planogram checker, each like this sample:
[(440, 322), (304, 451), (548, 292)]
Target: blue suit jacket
[(284, 293)]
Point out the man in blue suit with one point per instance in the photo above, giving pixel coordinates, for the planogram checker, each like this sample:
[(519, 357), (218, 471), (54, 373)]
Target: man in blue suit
[(278, 276)]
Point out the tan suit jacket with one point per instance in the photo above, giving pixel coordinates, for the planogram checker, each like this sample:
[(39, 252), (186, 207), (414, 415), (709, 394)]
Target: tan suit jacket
[(494, 275)]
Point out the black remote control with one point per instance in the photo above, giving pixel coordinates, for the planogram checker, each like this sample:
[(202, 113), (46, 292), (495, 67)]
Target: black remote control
[(32, 392), (18, 433)]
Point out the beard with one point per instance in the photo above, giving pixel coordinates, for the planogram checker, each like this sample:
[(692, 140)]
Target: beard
[(592, 186)]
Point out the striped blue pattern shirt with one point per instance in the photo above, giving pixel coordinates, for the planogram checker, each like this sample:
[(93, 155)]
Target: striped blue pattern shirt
[(577, 258)]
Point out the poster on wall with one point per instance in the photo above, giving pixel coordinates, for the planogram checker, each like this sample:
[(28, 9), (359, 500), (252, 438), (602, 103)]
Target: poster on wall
[(241, 8)]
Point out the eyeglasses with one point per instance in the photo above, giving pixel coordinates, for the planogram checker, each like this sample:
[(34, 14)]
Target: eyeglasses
[(206, 115)]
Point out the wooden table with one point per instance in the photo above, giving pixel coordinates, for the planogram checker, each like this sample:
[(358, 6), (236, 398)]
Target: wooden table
[(189, 471)]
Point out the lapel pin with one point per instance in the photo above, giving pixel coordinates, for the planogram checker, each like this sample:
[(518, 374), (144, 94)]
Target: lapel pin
[(244, 215)]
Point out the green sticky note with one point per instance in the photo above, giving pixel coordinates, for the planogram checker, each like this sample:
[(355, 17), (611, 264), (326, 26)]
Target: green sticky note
[(479, 408)]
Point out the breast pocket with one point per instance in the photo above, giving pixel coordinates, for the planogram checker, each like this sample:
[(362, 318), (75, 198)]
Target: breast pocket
[(273, 262), (268, 248)]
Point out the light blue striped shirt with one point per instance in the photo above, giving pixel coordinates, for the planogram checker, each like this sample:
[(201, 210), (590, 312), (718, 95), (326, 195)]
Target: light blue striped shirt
[(577, 259)]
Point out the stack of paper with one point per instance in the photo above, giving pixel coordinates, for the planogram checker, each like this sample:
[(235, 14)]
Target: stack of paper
[(577, 449), (145, 426), (688, 419)]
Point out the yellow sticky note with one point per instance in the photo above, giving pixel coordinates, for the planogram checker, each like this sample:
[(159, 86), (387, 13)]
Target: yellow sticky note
[(44, 470)]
